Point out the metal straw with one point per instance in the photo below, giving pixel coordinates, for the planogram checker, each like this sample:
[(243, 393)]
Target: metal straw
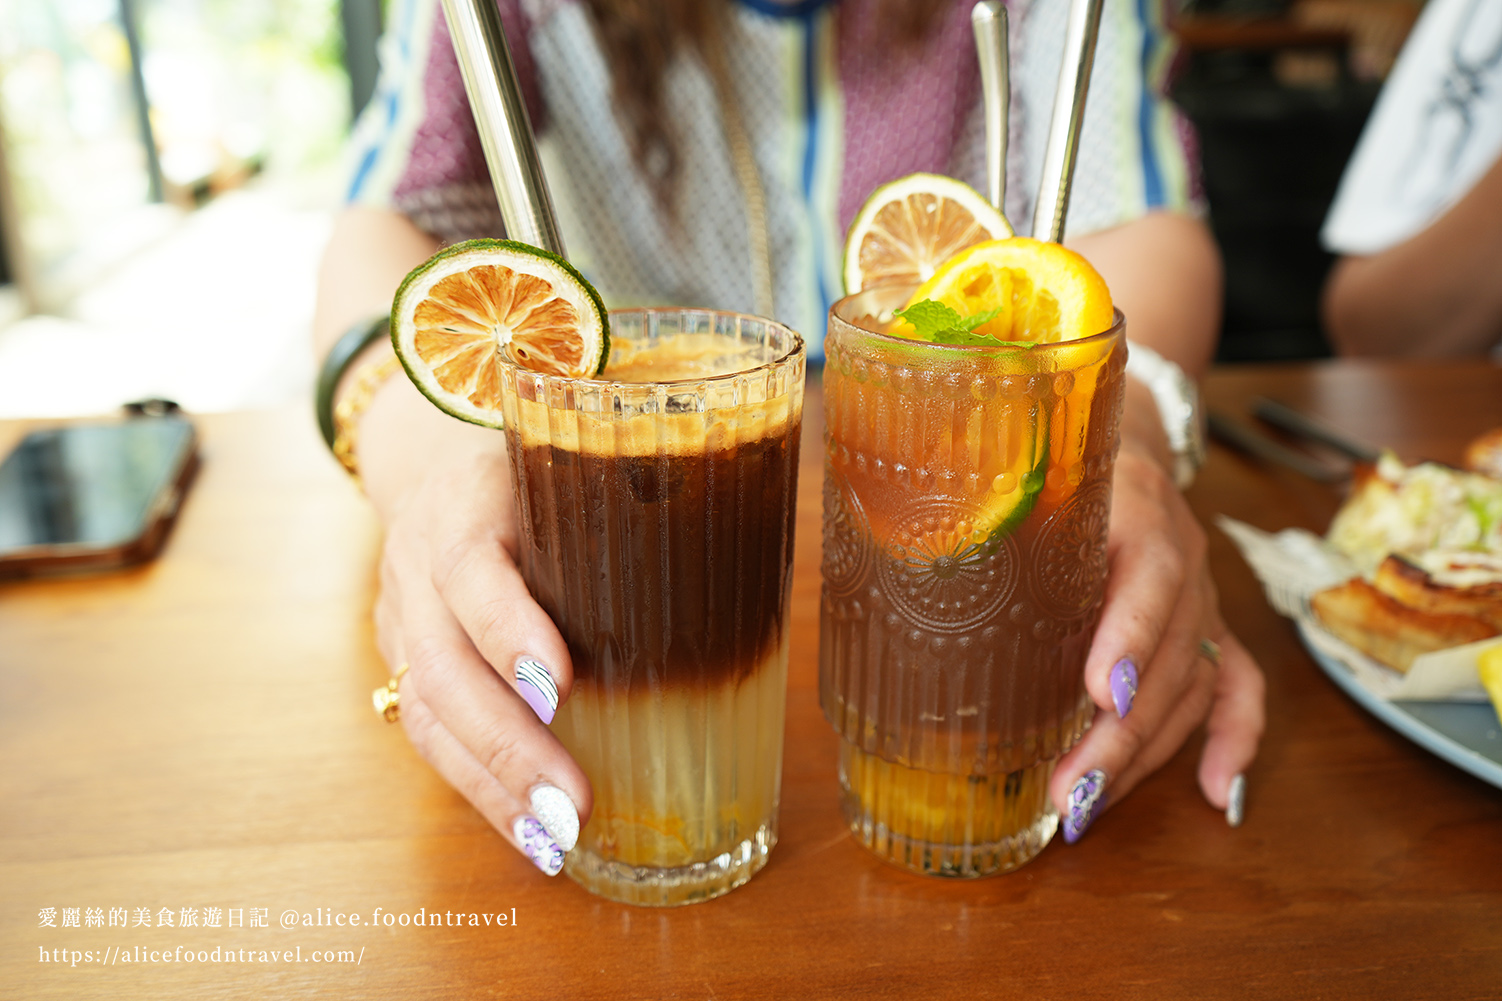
[(989, 20), (505, 130), (1068, 115)]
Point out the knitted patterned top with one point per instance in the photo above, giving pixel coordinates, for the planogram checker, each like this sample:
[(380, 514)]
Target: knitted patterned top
[(829, 117)]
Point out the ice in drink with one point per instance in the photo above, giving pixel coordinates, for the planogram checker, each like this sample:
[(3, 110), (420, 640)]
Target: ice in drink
[(657, 512), (966, 496)]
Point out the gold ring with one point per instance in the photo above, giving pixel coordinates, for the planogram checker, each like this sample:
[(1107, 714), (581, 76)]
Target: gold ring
[(1210, 650), (387, 700)]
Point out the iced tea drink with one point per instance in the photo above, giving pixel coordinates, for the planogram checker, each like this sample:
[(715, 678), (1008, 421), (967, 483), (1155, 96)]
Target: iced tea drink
[(966, 498), (657, 511)]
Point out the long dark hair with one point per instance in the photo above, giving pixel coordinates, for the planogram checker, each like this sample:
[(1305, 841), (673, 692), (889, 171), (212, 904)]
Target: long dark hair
[(640, 37)]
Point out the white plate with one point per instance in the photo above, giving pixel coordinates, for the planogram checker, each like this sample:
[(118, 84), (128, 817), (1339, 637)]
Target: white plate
[(1466, 734)]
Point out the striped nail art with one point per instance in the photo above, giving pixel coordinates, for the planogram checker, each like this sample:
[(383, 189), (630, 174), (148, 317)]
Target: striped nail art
[(536, 686)]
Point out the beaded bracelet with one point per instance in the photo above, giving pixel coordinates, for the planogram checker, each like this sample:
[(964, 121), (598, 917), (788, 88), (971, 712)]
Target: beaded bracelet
[(352, 405)]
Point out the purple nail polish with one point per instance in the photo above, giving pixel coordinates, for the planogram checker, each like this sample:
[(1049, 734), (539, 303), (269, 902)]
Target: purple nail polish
[(1124, 685), (1083, 800), (538, 845), (535, 685)]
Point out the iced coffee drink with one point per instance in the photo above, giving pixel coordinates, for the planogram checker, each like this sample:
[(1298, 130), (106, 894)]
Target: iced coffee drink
[(657, 509)]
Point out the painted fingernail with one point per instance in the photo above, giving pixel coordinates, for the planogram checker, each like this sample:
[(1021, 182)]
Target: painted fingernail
[(1084, 798), (557, 813), (536, 686), (1236, 801), (1124, 685), (538, 845)]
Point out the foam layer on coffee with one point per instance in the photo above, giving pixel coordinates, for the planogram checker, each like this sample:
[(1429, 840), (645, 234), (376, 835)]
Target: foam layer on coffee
[(685, 356), (674, 396)]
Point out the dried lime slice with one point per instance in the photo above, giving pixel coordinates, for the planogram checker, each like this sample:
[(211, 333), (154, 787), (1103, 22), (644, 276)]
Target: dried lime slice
[(458, 315)]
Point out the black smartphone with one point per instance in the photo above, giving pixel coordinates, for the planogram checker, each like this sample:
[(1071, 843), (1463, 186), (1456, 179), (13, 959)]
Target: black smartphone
[(93, 496)]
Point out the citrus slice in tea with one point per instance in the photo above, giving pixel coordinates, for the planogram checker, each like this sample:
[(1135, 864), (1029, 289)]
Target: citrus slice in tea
[(1016, 459), (1023, 293), (909, 227), (460, 314), (1040, 292), (999, 457)]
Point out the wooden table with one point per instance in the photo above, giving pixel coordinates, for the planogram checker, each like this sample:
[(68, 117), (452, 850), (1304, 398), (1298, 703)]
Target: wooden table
[(198, 734)]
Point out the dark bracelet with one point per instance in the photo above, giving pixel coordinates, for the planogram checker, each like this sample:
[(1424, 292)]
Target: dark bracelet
[(345, 350)]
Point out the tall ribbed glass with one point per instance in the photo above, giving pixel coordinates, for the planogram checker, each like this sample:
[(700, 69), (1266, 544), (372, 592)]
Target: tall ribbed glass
[(966, 498), (657, 509)]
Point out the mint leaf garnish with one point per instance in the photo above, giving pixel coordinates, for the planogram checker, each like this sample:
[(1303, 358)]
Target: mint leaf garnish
[(930, 318), (958, 335), (940, 324)]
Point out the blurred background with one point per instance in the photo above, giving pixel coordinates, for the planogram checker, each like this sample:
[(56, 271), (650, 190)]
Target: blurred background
[(169, 169)]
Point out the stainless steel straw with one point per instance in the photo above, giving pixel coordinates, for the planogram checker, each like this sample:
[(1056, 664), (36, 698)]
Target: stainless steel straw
[(501, 115), (1068, 115), (989, 20)]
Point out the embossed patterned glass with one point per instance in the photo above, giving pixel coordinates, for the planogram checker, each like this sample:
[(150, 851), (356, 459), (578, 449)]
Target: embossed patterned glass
[(966, 498), (656, 519)]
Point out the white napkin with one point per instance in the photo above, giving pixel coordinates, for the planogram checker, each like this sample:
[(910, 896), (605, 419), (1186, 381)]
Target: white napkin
[(1293, 564)]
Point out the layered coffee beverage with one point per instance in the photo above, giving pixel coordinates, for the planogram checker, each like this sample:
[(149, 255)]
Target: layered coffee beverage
[(657, 511)]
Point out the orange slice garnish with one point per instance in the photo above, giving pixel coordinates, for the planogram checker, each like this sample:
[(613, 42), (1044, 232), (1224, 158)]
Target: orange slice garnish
[(1045, 293)]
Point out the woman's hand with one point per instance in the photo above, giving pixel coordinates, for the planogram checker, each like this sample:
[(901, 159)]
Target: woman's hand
[(481, 654), (1150, 679), (1147, 673), (452, 606)]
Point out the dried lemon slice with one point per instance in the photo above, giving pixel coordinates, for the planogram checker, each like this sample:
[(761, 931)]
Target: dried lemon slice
[(909, 227), (457, 316)]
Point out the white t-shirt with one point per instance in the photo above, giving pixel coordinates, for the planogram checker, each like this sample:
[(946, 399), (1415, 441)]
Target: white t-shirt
[(1436, 129)]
